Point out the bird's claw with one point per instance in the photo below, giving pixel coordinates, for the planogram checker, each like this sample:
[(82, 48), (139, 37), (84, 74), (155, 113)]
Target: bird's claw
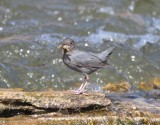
[(77, 92)]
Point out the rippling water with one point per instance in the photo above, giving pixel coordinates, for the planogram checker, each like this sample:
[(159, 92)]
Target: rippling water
[(30, 32)]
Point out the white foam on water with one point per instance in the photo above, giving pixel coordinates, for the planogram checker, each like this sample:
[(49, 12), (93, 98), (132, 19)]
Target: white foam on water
[(120, 38), (144, 39), (111, 36)]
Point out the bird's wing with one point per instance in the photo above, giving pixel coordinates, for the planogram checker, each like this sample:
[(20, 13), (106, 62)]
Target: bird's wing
[(85, 59)]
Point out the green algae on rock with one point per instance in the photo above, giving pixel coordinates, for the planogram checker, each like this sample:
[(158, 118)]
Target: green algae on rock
[(119, 87)]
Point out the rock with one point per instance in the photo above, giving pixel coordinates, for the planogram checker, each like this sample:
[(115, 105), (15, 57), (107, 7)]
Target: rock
[(120, 87), (63, 107), (137, 101), (47, 101)]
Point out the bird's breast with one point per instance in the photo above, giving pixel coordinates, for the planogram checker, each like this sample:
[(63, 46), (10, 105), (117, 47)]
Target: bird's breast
[(68, 61)]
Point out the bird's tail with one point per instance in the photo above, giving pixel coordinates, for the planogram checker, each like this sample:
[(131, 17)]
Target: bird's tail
[(105, 54)]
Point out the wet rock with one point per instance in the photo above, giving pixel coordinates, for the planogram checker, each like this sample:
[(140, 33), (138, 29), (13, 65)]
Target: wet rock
[(153, 94), (63, 107), (136, 102)]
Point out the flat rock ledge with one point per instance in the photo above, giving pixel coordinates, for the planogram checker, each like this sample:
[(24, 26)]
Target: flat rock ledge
[(13, 102), (63, 107)]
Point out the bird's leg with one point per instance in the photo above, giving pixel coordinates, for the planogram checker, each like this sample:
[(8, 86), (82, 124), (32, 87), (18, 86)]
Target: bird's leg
[(81, 89), (85, 83)]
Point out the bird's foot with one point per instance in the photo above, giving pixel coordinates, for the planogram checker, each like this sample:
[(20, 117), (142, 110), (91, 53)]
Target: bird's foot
[(80, 92), (77, 92)]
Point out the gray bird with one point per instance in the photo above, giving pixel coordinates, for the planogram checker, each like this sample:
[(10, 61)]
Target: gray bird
[(83, 62)]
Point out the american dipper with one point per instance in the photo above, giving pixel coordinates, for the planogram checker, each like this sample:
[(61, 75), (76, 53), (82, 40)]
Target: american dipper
[(83, 62)]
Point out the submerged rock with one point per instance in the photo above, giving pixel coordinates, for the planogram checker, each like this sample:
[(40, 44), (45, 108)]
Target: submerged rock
[(150, 85), (119, 87)]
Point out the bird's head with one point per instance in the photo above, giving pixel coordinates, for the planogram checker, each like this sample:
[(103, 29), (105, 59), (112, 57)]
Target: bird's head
[(67, 45)]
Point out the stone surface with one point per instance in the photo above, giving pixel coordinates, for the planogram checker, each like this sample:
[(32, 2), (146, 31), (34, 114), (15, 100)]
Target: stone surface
[(63, 107), (49, 101)]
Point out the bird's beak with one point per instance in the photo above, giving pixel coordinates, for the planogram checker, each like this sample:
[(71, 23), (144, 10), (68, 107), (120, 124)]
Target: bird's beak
[(60, 46), (65, 47)]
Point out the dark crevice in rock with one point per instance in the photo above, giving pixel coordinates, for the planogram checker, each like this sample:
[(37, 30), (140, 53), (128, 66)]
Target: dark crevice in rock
[(16, 102), (14, 112), (81, 110), (27, 108)]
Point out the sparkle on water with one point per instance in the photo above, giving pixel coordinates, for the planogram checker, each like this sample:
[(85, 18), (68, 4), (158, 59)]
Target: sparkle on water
[(30, 32)]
